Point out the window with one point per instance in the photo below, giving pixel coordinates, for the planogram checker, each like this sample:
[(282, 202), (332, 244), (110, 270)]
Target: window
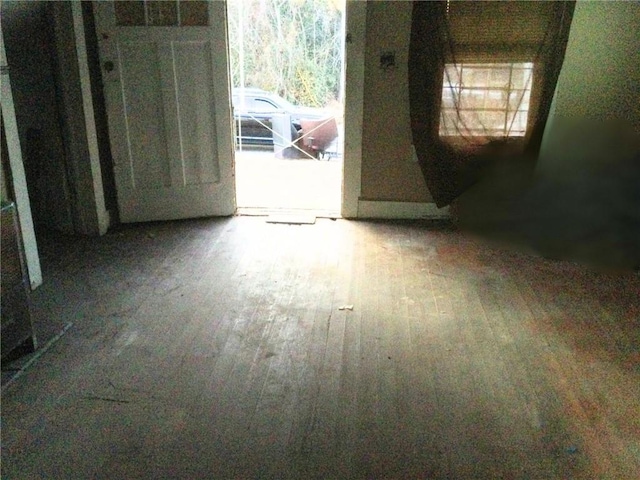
[(261, 105), (157, 13), (488, 99)]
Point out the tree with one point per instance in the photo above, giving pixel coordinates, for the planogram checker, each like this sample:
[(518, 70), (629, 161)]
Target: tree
[(291, 47)]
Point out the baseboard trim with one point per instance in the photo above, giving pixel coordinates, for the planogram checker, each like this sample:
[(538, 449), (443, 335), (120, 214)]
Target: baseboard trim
[(401, 210)]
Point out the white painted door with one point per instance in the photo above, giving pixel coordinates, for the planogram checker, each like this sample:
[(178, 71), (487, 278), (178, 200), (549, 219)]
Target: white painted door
[(16, 166), (164, 66)]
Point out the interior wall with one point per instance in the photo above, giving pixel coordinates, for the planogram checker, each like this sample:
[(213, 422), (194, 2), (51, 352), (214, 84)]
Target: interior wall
[(601, 70), (389, 169), (589, 165), (595, 116), (30, 54)]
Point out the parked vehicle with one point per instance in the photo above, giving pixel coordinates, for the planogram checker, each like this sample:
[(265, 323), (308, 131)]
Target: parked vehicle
[(261, 116)]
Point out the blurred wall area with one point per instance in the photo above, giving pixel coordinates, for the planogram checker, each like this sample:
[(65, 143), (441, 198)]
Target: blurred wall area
[(589, 166), (582, 202)]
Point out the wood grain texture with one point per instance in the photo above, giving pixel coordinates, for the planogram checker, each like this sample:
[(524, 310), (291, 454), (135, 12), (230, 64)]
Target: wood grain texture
[(218, 349)]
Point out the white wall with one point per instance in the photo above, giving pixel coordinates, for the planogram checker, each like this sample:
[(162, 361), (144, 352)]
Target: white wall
[(389, 172), (596, 108), (589, 166)]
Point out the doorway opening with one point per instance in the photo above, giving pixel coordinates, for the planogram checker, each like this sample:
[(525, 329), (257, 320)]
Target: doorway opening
[(287, 77)]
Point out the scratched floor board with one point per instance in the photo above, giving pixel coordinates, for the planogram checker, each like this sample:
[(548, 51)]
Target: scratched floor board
[(233, 348)]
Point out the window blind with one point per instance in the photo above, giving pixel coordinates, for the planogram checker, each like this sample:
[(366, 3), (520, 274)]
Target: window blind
[(497, 31)]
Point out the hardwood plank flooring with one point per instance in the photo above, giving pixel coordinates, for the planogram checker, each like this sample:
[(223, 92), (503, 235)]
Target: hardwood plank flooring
[(234, 348)]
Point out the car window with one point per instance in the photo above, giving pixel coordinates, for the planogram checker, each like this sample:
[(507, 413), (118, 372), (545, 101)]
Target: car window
[(262, 105), (240, 104)]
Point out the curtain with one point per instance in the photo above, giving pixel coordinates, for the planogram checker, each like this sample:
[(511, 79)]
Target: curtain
[(449, 36)]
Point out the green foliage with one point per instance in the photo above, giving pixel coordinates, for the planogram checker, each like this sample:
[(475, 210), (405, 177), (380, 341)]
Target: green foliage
[(291, 47)]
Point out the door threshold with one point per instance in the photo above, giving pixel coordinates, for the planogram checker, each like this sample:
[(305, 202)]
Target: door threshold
[(292, 219), (281, 212)]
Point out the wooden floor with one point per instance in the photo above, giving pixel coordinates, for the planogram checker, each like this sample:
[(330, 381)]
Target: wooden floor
[(234, 348)]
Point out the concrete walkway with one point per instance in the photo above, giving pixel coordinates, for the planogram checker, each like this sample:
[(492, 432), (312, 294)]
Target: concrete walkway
[(267, 183)]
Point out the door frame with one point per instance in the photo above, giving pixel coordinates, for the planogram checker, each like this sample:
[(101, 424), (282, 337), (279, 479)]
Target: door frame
[(18, 176), (354, 42), (81, 142), (354, 58)]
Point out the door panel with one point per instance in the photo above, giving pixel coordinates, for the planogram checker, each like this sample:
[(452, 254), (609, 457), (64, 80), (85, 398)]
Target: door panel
[(196, 119), (141, 91), (169, 113)]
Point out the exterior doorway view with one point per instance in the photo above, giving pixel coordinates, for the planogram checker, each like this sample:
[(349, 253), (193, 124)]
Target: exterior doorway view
[(287, 77)]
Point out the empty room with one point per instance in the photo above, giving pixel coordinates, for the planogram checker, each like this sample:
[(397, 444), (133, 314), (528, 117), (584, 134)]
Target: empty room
[(471, 310)]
